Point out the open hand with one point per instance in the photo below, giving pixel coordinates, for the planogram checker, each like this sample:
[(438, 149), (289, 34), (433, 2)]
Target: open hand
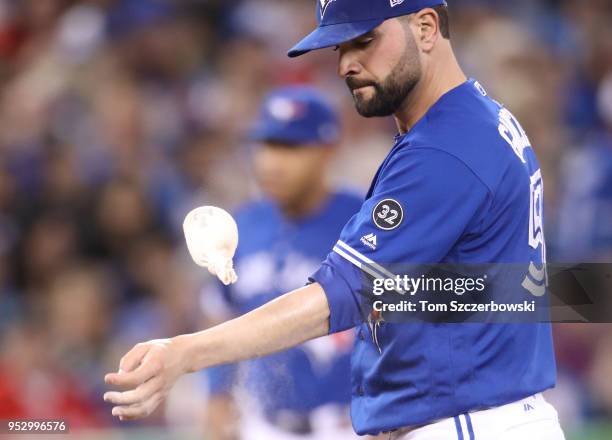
[(146, 373)]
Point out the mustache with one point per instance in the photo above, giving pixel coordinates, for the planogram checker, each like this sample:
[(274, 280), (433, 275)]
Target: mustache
[(354, 83)]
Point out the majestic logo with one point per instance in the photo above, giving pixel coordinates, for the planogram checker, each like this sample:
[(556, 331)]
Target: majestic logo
[(370, 241), (395, 3), (325, 4), (388, 214)]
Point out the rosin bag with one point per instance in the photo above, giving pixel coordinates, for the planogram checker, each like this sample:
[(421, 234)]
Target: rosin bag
[(212, 237)]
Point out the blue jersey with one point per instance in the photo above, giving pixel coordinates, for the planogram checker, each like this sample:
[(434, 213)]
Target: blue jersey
[(276, 255), (462, 186)]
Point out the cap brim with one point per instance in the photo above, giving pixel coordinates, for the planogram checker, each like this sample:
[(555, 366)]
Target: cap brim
[(333, 35), (260, 133)]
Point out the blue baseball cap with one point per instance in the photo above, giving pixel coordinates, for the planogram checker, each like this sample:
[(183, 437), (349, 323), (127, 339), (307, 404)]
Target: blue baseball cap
[(342, 20), (296, 115)]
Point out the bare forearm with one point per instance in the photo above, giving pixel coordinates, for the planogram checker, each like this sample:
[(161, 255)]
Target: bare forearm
[(283, 323), (149, 370)]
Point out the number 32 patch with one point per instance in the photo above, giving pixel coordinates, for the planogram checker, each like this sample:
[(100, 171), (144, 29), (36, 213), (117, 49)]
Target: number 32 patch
[(388, 214)]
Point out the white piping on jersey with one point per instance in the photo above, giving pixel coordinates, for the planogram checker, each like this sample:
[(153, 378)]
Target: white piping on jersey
[(356, 263), (365, 259), (364, 263)]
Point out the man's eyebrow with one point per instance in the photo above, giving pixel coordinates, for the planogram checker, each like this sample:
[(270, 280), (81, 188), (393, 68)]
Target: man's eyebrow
[(368, 34)]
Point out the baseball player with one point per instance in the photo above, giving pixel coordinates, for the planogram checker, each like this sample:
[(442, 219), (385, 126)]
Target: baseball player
[(461, 184), (303, 392)]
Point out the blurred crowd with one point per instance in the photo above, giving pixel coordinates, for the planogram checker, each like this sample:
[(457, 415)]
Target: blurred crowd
[(117, 117)]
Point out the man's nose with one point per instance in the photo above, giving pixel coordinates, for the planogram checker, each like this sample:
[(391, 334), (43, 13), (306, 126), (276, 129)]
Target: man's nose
[(347, 64)]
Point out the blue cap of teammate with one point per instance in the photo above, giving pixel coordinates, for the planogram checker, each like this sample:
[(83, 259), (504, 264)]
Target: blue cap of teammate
[(296, 115), (342, 20)]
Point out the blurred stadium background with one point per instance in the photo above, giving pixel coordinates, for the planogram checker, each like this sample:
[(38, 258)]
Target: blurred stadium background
[(118, 117)]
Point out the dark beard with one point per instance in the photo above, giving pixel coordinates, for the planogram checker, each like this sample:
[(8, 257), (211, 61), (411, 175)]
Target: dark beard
[(388, 96)]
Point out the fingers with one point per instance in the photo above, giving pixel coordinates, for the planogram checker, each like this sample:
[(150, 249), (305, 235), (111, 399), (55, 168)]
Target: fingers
[(149, 367), (128, 363), (138, 410), (132, 359), (136, 396), (145, 377)]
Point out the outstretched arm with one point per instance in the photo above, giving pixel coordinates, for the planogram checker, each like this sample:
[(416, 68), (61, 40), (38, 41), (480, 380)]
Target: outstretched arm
[(150, 369)]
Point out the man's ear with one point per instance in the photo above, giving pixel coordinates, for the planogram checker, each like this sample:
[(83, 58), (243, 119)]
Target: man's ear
[(427, 23)]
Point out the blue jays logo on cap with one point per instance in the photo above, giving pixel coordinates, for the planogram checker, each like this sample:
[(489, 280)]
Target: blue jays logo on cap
[(349, 19), (285, 109), (324, 5)]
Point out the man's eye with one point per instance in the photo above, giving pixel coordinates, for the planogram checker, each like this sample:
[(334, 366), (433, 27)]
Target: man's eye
[(336, 48), (364, 42)]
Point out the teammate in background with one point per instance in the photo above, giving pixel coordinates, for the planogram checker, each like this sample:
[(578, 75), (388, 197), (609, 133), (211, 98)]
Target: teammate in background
[(461, 185), (303, 392)]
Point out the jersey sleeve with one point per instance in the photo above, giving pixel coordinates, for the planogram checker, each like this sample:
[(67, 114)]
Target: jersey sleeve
[(425, 199)]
